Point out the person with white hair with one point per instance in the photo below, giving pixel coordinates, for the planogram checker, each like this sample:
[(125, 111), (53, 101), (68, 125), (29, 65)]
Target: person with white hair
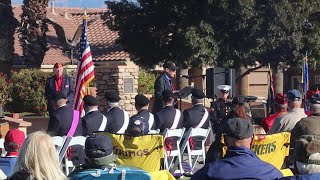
[(38, 159), (305, 138)]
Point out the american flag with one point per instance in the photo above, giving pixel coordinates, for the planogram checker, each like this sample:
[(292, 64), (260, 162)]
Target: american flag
[(85, 69)]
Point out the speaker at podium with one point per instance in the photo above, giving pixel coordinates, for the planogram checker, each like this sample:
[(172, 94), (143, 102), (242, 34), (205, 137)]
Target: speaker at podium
[(219, 76)]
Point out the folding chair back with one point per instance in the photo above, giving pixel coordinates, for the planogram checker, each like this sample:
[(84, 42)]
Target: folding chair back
[(3, 151), (170, 154), (197, 133), (58, 142), (77, 140)]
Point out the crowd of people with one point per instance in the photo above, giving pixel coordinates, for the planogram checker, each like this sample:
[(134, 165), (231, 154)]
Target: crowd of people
[(230, 119)]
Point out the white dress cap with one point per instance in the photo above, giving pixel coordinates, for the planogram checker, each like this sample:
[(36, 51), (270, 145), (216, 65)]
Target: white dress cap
[(224, 87)]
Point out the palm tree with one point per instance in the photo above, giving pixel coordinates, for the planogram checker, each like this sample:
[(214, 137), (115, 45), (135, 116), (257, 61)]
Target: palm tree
[(33, 32), (8, 24)]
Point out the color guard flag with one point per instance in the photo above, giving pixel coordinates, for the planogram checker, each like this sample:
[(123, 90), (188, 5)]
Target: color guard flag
[(85, 69)]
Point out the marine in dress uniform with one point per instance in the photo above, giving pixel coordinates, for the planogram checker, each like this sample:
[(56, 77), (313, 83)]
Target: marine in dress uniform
[(142, 105), (58, 83), (219, 115), (220, 108), (168, 117), (118, 119), (163, 82), (93, 120)]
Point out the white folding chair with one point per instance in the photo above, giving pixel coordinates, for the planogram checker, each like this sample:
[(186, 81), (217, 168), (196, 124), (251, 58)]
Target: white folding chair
[(57, 141), (77, 140), (3, 151), (170, 155), (157, 131), (195, 132)]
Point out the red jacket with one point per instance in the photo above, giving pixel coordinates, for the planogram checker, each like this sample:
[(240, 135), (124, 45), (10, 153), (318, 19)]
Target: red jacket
[(267, 122)]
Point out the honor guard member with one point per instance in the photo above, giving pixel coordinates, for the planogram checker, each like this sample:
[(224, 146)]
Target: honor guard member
[(197, 116), (142, 105), (221, 108), (93, 120), (118, 119), (168, 117)]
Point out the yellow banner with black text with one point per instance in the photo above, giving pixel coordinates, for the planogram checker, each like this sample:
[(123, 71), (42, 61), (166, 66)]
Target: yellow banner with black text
[(144, 152)]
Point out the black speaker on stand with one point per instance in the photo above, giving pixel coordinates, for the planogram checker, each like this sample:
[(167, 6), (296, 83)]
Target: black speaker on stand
[(219, 76)]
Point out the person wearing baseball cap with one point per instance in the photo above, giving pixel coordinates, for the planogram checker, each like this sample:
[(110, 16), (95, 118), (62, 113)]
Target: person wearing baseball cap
[(305, 138), (163, 82), (12, 144), (281, 105), (286, 122), (58, 83), (240, 162)]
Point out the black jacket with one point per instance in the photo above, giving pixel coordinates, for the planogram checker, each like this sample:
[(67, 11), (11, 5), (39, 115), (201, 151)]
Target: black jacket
[(60, 122), (160, 85), (91, 122), (146, 114), (164, 119), (116, 120), (50, 90), (193, 116)]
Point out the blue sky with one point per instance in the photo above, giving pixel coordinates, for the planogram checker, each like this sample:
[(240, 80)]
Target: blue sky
[(72, 3)]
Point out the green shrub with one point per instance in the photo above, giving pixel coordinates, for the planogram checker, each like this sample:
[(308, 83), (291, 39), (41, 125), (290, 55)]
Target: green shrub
[(146, 82), (27, 91), (5, 85)]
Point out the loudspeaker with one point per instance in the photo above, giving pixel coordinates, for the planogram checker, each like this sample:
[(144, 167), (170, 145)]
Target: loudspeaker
[(219, 76)]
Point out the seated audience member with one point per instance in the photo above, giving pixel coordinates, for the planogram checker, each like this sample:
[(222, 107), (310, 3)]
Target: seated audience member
[(239, 162), (118, 119), (305, 138), (281, 106), (38, 159), (138, 126), (93, 120), (286, 123), (142, 105), (12, 144), (99, 154), (197, 116), (168, 117), (239, 110)]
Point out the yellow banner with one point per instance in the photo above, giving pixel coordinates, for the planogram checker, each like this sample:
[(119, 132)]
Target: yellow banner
[(144, 152), (273, 148)]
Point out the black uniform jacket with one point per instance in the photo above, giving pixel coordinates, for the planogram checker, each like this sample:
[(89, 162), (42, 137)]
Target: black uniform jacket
[(116, 120), (91, 122), (164, 119)]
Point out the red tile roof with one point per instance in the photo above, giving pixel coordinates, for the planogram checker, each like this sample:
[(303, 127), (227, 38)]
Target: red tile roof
[(101, 38)]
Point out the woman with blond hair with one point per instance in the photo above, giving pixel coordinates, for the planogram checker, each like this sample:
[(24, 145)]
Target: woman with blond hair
[(38, 159)]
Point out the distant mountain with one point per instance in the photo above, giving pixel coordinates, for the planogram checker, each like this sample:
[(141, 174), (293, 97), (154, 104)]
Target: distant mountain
[(72, 3)]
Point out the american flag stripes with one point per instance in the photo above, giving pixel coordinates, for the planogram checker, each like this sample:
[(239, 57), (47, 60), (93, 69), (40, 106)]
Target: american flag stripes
[(85, 69)]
